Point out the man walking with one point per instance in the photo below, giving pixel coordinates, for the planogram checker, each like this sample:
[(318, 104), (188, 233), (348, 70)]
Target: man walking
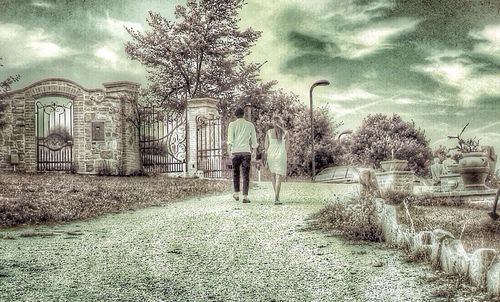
[(241, 139)]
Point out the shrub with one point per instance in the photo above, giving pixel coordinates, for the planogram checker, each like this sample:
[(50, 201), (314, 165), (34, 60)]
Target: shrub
[(296, 119), (440, 152), (380, 135), (352, 219), (493, 181), (152, 146), (62, 132), (398, 197)]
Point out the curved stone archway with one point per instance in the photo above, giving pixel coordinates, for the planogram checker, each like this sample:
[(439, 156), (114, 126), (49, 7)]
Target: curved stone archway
[(91, 107)]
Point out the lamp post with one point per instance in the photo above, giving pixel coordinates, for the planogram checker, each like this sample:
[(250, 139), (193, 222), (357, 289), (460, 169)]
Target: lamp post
[(317, 83)]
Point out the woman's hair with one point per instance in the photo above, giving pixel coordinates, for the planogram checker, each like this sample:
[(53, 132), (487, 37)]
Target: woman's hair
[(278, 130)]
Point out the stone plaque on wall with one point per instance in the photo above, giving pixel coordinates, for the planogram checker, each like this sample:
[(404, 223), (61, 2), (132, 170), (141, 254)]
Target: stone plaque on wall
[(98, 131)]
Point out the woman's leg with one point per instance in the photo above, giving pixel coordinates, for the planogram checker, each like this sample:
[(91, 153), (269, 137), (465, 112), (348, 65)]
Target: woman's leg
[(278, 187), (273, 181)]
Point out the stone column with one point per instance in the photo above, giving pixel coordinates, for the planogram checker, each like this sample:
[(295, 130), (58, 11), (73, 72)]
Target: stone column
[(80, 120), (25, 125), (128, 137), (196, 108)]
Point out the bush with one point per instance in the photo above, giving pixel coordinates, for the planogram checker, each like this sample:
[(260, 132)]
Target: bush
[(352, 219), (62, 132), (296, 118), (493, 181), (380, 135), (394, 197), (151, 145)]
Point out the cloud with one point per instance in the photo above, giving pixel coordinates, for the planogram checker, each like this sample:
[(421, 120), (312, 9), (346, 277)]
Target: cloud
[(340, 110), (115, 27), (451, 68), (111, 55), (375, 37), (41, 4), (26, 46), (352, 94), (489, 41)]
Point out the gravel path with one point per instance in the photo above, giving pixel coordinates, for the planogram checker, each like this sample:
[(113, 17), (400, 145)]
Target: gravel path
[(206, 249)]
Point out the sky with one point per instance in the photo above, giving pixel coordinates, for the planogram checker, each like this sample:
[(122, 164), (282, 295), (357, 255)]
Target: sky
[(434, 62)]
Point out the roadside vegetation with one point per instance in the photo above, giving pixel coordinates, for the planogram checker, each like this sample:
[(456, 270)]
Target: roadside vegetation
[(55, 198), (353, 218), (471, 225)]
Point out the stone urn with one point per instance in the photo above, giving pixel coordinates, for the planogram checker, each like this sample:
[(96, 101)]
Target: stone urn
[(394, 165), (474, 168), (453, 168)]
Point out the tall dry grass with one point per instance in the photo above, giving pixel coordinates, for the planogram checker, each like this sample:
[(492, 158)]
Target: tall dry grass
[(53, 197)]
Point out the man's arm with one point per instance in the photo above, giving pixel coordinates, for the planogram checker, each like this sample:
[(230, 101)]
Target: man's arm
[(266, 146), (287, 143), (253, 139), (253, 142), (230, 138)]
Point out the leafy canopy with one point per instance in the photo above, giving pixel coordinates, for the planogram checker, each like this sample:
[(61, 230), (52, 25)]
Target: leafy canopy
[(380, 136), (201, 54)]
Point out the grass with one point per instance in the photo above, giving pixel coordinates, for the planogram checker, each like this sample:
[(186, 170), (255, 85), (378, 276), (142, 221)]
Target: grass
[(352, 218), (53, 197), (473, 226)]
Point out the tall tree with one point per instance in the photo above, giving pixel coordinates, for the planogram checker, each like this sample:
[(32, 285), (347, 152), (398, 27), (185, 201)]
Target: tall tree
[(6, 83), (200, 54), (380, 137), (4, 88), (295, 118)]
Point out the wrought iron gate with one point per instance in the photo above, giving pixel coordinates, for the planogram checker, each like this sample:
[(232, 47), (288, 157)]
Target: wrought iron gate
[(163, 142), (209, 147), (54, 131)]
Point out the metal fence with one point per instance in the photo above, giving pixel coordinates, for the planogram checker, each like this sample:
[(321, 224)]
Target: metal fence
[(209, 145), (163, 141)]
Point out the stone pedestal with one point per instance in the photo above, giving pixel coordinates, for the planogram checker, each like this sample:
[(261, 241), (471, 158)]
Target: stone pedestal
[(451, 182), (395, 181), (196, 108)]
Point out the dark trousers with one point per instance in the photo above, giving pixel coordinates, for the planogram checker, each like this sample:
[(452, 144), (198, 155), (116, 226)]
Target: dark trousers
[(241, 163)]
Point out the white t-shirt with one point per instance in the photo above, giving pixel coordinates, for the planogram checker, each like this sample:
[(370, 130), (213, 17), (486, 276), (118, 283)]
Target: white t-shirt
[(241, 136)]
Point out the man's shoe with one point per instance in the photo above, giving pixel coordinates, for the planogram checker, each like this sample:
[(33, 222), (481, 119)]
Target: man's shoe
[(277, 202), (246, 200), (236, 196)]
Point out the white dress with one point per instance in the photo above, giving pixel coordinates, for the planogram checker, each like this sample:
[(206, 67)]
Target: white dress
[(276, 154)]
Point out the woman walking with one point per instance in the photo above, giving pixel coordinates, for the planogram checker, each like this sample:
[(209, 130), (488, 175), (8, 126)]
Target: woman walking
[(276, 147)]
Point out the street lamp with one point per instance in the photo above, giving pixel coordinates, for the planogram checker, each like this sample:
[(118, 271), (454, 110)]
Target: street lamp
[(317, 83)]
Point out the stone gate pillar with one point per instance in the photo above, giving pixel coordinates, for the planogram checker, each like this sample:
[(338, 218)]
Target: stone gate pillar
[(124, 133), (196, 108)]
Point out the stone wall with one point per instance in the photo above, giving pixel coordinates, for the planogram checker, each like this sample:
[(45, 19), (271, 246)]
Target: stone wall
[(395, 181), (103, 138), (118, 149), (481, 268)]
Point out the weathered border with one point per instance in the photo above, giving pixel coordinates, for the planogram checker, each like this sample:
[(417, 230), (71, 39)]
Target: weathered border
[(481, 268)]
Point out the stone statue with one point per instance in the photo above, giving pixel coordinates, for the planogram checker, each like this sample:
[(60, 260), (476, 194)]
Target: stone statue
[(437, 169), (489, 151), (368, 181), (449, 161)]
